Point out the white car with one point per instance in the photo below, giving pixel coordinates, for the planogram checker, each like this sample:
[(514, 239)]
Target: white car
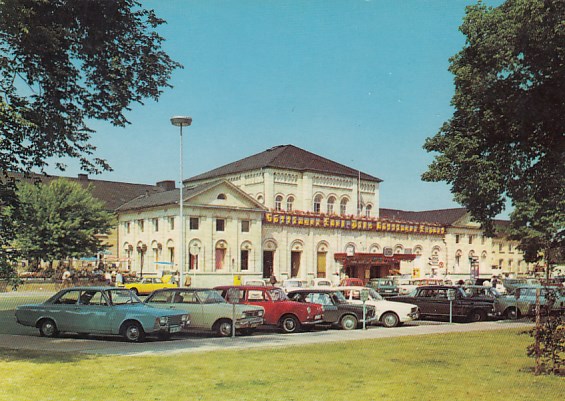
[(255, 281), (388, 313), (321, 283), (293, 284)]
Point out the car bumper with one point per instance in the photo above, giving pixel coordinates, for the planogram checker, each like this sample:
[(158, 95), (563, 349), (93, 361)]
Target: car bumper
[(369, 320), (248, 323), (313, 322)]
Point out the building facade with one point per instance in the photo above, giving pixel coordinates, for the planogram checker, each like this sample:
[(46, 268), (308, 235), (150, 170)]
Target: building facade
[(290, 213)]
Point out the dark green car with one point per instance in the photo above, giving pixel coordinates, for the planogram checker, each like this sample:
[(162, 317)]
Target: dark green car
[(384, 286), (101, 310)]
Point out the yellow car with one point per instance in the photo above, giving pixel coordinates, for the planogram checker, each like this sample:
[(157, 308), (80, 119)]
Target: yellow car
[(149, 284)]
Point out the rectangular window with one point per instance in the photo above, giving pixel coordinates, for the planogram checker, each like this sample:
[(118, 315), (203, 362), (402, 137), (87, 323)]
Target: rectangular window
[(245, 226), (155, 225), (509, 247), (171, 223), (470, 239), (244, 260), (141, 224), (194, 223), (128, 227), (220, 225), (457, 238), (483, 239), (172, 255)]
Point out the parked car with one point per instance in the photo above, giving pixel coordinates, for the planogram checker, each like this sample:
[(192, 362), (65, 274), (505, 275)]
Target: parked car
[(280, 311), (321, 283), (388, 313), (101, 310), (481, 291), (149, 284), (351, 281), (292, 283), (384, 286), (255, 281), (433, 302), (522, 302), (406, 288), (337, 311), (208, 310)]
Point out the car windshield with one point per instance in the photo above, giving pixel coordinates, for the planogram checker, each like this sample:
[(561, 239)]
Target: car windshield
[(277, 295), (210, 297), (375, 295), (122, 297), (339, 298)]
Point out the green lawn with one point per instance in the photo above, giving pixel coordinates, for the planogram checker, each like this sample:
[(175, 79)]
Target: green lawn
[(474, 366)]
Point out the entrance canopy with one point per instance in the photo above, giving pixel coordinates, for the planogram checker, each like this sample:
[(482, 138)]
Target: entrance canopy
[(371, 265)]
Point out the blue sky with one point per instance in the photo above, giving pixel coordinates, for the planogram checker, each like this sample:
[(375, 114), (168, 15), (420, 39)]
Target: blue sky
[(359, 82)]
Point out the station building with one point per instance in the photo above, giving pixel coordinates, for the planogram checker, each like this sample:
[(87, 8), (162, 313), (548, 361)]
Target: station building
[(291, 213)]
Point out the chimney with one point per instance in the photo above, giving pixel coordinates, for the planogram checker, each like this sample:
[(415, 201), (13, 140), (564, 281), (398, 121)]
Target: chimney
[(83, 177), (167, 185)]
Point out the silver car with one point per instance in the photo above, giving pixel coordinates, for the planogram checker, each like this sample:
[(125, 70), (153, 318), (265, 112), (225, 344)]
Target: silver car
[(101, 310)]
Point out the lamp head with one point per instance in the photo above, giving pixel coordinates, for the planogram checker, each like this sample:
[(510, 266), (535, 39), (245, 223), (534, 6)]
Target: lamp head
[(181, 121)]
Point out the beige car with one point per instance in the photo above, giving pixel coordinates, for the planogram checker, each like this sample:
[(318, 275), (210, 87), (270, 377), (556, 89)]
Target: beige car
[(208, 310)]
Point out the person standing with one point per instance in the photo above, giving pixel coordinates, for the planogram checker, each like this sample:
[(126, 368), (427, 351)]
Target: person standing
[(273, 280)]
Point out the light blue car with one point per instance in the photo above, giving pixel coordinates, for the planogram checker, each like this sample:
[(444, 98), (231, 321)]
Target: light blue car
[(101, 310)]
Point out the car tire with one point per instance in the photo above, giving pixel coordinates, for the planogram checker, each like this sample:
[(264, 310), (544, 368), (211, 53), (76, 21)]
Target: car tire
[(512, 313), (390, 319), (348, 322), (48, 328), (223, 328), (289, 324), (477, 315), (133, 332)]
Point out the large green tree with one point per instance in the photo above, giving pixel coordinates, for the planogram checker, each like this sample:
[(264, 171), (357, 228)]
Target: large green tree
[(64, 63), (505, 140), (58, 221)]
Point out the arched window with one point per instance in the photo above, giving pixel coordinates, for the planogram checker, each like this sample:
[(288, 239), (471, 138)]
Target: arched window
[(278, 202), (290, 203), (317, 203), (222, 196), (260, 199), (368, 210), (343, 207), (331, 202)]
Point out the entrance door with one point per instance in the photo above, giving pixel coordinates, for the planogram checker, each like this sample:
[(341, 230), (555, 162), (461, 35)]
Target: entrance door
[(321, 268), (294, 263), (268, 263)]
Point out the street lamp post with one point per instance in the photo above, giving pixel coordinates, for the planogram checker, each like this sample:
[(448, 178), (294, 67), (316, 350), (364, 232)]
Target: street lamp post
[(181, 121)]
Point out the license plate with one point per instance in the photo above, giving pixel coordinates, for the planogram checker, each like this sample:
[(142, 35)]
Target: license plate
[(174, 329)]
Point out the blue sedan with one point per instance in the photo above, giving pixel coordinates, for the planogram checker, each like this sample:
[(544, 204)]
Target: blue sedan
[(101, 310)]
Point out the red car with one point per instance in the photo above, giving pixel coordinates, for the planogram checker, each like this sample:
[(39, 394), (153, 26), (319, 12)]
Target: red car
[(346, 282), (288, 315)]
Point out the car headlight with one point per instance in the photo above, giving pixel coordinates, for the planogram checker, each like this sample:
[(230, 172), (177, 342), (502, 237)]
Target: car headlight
[(163, 320), (185, 318), (261, 313)]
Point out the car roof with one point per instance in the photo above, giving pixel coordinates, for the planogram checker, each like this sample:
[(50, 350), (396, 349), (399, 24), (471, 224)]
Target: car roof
[(318, 289), (246, 287), (351, 287)]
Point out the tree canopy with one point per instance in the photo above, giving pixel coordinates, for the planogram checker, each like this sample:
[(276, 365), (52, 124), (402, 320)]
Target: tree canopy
[(505, 139), (63, 64), (58, 221)]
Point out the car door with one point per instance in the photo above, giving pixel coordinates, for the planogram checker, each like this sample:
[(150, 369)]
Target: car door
[(260, 297), (423, 299), (440, 302), (94, 312), (65, 310), (331, 313)]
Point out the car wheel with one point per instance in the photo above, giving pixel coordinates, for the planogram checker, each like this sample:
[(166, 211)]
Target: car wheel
[(224, 328), (348, 322), (289, 324), (133, 332), (390, 319), (48, 328), (512, 313), (477, 315)]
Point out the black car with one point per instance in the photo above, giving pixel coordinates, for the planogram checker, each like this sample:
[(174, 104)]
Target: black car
[(337, 311), (433, 302)]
